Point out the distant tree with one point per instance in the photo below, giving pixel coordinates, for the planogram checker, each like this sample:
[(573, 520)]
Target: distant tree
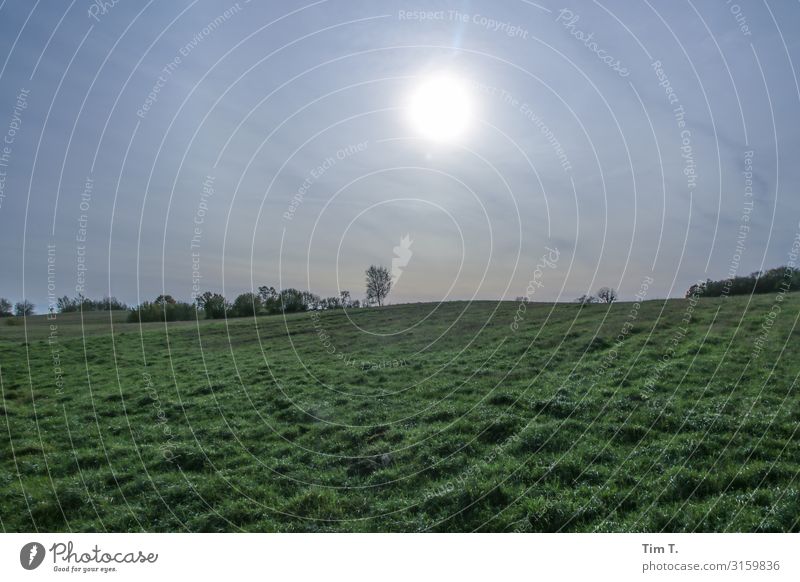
[(606, 295), (309, 299), (214, 305), (24, 308), (696, 290), (113, 304), (81, 303), (269, 299), (355, 304), (294, 300), (586, 299), (165, 299), (379, 284), (266, 293), (332, 303), (344, 297), (5, 307), (65, 304), (162, 311), (104, 304), (246, 304)]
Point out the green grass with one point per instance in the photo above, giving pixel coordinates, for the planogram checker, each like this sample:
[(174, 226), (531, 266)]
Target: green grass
[(458, 424)]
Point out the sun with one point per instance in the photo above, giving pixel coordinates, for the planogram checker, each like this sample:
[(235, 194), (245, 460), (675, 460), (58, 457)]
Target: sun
[(441, 109)]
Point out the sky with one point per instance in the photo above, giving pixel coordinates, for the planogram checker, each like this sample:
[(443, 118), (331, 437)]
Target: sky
[(183, 146)]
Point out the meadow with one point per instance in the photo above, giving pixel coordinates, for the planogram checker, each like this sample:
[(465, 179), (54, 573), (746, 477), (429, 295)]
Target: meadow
[(672, 415)]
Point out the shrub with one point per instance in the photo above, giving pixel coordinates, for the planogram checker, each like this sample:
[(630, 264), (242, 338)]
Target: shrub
[(24, 308), (5, 307), (214, 305), (163, 311), (246, 305), (66, 304)]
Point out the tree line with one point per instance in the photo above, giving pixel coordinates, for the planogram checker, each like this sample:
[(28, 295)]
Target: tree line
[(211, 305), (268, 300), (63, 304), (771, 281), (20, 309)]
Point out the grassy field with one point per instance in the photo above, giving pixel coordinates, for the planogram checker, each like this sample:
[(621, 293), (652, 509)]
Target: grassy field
[(664, 416)]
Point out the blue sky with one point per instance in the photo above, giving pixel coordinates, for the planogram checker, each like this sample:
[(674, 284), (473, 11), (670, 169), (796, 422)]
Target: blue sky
[(258, 100)]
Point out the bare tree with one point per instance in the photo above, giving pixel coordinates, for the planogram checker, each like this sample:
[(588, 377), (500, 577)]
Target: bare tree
[(586, 299), (379, 283), (5, 307), (607, 294)]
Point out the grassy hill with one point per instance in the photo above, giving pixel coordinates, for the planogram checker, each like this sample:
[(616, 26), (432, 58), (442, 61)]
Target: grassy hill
[(660, 416)]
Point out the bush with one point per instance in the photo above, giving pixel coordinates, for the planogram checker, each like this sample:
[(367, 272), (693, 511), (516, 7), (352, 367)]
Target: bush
[(246, 305), (148, 311), (294, 300), (214, 305), (80, 303), (606, 295), (24, 308)]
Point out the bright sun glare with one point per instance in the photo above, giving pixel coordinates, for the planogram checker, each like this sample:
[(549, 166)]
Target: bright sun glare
[(440, 108)]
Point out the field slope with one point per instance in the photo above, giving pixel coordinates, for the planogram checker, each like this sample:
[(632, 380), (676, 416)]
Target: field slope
[(664, 416)]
